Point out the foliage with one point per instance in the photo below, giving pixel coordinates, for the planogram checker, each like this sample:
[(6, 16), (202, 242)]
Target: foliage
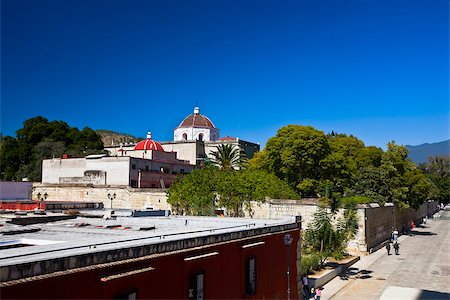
[(201, 191), (351, 202), (194, 194), (40, 139), (310, 262), (228, 157), (294, 154), (334, 166), (437, 170), (323, 238)]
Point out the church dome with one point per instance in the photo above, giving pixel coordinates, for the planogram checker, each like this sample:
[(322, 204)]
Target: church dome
[(197, 120), (149, 144)]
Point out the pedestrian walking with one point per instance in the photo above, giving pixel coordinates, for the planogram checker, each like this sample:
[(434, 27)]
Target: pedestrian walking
[(394, 235), (388, 247), (318, 293), (312, 294), (305, 286), (396, 247)]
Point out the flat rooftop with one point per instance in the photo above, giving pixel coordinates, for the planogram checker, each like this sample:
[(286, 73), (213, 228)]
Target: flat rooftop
[(80, 236)]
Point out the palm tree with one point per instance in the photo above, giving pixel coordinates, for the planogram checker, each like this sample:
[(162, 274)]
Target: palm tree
[(228, 157)]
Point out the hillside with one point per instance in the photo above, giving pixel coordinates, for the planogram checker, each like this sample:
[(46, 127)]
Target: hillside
[(109, 137), (420, 153)]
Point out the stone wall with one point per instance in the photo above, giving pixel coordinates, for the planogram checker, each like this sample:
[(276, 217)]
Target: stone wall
[(381, 221), (126, 197)]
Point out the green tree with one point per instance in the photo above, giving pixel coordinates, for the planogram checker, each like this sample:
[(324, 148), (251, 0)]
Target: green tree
[(325, 239), (437, 170), (228, 157), (202, 191), (194, 194), (294, 154), (39, 139)]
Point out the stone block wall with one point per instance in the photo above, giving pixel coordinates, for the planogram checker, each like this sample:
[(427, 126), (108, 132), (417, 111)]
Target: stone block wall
[(126, 197)]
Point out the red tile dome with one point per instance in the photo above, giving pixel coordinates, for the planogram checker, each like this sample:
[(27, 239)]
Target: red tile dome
[(149, 144), (197, 120)]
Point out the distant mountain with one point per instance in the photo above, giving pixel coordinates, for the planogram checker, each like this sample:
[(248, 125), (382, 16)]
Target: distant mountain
[(110, 137), (419, 154)]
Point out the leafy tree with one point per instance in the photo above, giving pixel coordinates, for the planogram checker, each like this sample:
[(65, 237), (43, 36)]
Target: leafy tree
[(40, 139), (194, 194), (294, 154), (407, 186), (201, 191), (228, 157), (437, 170)]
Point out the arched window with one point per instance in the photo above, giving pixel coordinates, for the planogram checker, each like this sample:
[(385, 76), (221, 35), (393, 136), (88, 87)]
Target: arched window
[(200, 137), (184, 137)]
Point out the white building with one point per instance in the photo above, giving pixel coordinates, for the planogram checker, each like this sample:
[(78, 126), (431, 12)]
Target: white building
[(194, 140), (145, 165)]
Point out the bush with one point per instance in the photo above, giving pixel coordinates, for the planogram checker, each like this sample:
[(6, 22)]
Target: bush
[(310, 262)]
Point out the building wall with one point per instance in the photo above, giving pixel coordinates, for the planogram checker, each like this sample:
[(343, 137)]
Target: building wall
[(11, 190), (167, 273), (126, 197), (189, 151), (116, 169)]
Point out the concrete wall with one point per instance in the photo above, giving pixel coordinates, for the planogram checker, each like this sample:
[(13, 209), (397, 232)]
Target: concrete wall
[(116, 169), (11, 190)]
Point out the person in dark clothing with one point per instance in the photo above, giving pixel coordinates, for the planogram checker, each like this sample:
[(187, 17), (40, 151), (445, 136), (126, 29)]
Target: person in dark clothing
[(396, 248), (388, 247)]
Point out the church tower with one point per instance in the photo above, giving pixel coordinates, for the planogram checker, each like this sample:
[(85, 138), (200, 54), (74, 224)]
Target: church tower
[(196, 127)]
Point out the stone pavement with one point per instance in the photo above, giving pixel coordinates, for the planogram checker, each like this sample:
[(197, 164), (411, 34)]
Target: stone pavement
[(421, 271)]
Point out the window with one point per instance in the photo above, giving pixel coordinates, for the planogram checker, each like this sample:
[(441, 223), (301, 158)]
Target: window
[(127, 296), (250, 276), (146, 168), (133, 167), (200, 137), (184, 137), (196, 286)]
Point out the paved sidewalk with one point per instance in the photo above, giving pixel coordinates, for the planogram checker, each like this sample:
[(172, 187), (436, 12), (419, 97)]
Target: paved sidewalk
[(421, 271)]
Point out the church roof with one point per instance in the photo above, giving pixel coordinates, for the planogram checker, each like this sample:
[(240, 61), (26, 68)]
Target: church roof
[(197, 120), (149, 144)]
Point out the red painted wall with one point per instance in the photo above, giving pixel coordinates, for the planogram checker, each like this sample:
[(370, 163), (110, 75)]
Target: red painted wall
[(224, 275), (20, 205)]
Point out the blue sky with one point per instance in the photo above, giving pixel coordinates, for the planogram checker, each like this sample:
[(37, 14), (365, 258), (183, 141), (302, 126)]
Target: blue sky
[(377, 69)]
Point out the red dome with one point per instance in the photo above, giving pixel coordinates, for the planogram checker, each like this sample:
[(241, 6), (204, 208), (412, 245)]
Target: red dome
[(148, 144), (197, 120)]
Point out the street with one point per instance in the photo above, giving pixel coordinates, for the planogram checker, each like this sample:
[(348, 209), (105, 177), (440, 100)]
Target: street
[(420, 271)]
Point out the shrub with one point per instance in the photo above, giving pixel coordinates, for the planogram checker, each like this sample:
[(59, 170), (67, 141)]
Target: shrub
[(310, 262)]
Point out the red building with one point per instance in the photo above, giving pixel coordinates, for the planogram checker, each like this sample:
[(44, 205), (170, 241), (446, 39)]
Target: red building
[(153, 258)]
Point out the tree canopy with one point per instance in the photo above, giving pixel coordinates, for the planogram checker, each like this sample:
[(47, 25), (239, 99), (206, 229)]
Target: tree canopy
[(334, 166), (202, 191), (40, 139)]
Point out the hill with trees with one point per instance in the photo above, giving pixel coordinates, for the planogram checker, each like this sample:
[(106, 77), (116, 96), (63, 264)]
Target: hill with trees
[(111, 137), (38, 139)]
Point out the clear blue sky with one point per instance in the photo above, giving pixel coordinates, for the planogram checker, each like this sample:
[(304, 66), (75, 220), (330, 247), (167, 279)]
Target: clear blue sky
[(377, 69)]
